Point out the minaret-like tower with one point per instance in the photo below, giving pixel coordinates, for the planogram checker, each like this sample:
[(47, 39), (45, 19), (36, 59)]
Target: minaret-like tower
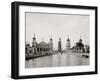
[(81, 45), (34, 43), (59, 45), (68, 44), (51, 44)]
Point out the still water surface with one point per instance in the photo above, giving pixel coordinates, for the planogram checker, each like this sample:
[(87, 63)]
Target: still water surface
[(57, 60)]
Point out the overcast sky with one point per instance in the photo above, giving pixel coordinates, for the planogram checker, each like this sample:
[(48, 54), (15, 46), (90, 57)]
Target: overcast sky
[(45, 26)]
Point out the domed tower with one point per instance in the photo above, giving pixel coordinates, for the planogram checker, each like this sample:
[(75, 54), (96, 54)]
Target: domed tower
[(68, 44), (59, 45), (34, 43), (51, 44), (80, 46)]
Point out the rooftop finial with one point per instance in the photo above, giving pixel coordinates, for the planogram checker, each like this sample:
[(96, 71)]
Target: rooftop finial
[(34, 35), (51, 35), (68, 36), (80, 36), (59, 39)]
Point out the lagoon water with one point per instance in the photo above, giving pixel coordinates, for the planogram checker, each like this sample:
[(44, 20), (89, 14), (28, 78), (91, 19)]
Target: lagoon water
[(57, 60)]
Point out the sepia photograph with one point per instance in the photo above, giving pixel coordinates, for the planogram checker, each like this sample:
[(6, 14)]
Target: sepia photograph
[(56, 40), (50, 40)]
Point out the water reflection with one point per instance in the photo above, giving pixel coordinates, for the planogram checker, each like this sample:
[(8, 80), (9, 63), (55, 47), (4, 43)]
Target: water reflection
[(57, 60)]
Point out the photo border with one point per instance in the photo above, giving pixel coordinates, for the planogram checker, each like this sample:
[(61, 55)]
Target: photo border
[(15, 39)]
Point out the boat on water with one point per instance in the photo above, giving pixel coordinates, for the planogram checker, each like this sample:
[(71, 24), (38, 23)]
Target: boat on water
[(86, 56)]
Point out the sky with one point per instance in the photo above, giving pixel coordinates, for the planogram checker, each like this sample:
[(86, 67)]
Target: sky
[(45, 26)]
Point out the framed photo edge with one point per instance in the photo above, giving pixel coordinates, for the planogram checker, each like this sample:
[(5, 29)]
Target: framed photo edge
[(15, 39)]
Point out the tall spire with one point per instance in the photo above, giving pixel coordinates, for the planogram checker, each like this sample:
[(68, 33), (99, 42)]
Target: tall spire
[(51, 43), (59, 45)]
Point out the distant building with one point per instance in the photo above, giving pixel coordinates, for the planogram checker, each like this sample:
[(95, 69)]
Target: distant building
[(80, 47), (27, 47), (28, 50), (41, 48), (59, 45)]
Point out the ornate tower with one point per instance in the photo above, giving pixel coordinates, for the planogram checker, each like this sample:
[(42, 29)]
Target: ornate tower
[(51, 44), (34, 43), (68, 44), (59, 45), (81, 46)]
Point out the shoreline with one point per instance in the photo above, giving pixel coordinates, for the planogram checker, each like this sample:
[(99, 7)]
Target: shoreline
[(33, 57)]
